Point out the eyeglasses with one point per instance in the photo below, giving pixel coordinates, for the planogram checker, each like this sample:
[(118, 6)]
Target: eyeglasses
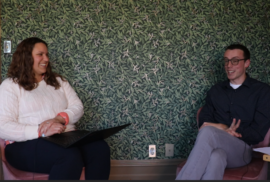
[(234, 61)]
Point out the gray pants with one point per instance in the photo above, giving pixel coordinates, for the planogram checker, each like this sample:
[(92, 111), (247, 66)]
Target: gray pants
[(214, 150)]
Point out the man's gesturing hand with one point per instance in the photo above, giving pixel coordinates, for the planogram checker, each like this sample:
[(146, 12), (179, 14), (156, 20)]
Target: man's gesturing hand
[(233, 127)]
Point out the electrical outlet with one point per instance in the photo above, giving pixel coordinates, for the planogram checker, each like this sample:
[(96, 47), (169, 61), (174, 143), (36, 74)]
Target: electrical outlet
[(7, 46), (169, 150), (152, 151)]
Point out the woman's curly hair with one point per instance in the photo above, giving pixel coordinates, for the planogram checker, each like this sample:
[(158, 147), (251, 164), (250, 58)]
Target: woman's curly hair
[(21, 67)]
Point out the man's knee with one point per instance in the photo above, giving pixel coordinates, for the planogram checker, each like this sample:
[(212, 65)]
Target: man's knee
[(219, 155), (207, 133)]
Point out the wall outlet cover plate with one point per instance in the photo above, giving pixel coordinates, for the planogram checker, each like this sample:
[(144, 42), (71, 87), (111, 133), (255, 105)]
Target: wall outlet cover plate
[(152, 151), (169, 150), (7, 46)]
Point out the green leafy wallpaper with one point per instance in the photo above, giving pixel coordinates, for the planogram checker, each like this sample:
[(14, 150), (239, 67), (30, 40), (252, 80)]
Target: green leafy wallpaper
[(145, 62)]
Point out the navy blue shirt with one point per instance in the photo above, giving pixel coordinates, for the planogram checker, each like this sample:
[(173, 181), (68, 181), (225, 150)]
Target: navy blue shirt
[(250, 102)]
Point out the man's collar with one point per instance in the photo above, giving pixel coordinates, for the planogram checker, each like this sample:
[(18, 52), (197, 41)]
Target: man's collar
[(246, 82)]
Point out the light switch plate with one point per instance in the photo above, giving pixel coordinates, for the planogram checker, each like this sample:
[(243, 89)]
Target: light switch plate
[(152, 151), (169, 150)]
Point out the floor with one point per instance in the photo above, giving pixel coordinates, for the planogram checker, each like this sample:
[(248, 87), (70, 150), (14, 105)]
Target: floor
[(2, 178)]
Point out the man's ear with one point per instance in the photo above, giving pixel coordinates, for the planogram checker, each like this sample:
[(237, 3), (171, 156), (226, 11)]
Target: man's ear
[(247, 63)]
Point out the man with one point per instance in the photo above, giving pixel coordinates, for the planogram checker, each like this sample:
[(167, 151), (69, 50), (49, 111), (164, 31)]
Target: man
[(236, 115)]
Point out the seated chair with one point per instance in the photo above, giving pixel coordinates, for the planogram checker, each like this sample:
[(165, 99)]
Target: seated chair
[(11, 173), (255, 170)]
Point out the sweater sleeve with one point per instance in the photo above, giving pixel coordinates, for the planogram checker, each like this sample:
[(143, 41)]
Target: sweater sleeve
[(74, 109), (10, 128)]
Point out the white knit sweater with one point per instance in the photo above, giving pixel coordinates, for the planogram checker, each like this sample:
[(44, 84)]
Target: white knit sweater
[(21, 111)]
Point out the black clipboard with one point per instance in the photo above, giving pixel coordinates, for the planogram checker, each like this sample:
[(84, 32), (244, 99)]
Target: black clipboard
[(80, 137)]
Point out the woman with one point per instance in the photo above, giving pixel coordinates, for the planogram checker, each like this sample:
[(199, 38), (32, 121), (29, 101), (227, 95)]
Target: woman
[(36, 102)]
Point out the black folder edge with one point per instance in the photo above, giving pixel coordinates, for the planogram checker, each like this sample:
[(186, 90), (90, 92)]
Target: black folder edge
[(88, 137)]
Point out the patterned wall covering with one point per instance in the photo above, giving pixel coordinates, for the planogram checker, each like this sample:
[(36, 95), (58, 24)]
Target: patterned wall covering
[(145, 62)]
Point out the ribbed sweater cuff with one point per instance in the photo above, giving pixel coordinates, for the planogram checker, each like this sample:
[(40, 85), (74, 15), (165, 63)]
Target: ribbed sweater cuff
[(70, 116)]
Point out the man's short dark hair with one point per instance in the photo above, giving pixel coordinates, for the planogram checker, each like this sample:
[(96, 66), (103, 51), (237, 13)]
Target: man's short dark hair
[(241, 47)]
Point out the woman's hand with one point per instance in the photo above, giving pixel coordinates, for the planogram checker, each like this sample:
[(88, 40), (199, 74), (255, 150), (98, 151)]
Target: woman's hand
[(217, 125), (233, 127), (55, 128), (45, 125)]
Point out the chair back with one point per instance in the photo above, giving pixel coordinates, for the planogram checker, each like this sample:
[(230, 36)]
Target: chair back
[(197, 118), (2, 146)]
